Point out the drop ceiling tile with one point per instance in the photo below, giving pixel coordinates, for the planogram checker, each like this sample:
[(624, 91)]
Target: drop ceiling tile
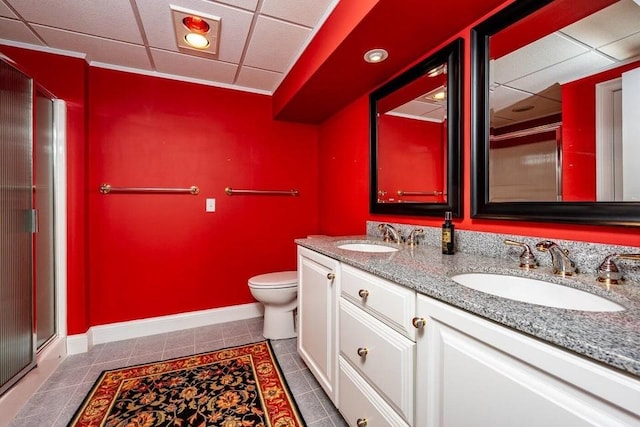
[(503, 97), (6, 12), (264, 52), (438, 115), (627, 48), (608, 25), (304, 13), (96, 49), (258, 79), (112, 19), (158, 26), (564, 72), (534, 57), (243, 4), (538, 106), (179, 64), (10, 29), (414, 109)]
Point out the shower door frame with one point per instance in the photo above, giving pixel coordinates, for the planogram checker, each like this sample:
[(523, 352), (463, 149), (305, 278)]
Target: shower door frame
[(54, 351)]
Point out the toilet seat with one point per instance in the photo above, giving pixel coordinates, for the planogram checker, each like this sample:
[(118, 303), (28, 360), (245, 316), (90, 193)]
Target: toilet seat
[(278, 280)]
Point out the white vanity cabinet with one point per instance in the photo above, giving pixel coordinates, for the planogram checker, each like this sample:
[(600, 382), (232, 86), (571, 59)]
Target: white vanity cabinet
[(377, 351), (318, 293), (388, 356), (473, 372)]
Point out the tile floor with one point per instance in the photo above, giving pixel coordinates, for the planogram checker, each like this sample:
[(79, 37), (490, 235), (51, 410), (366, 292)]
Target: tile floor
[(57, 400)]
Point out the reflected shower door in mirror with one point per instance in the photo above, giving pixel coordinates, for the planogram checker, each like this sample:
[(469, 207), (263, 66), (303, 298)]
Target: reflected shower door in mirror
[(415, 138), (556, 101)]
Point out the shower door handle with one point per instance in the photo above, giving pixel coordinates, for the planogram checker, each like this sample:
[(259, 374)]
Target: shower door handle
[(31, 220)]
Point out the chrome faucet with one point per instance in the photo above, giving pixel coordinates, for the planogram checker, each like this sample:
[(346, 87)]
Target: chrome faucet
[(412, 240), (389, 233), (562, 265)]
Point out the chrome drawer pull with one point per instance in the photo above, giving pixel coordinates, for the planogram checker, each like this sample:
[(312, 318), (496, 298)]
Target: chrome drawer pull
[(363, 293), (418, 322), (362, 351), (361, 422), (331, 276)]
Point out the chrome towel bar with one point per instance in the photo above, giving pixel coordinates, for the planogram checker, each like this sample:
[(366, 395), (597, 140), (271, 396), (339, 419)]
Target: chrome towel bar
[(106, 189), (419, 193), (235, 192)]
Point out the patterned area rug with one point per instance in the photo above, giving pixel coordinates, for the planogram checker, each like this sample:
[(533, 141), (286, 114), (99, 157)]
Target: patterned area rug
[(234, 387)]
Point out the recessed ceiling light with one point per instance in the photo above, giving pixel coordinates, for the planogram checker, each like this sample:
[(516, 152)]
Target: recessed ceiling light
[(197, 40), (376, 55), (435, 72), (523, 109), (196, 33), (438, 94)]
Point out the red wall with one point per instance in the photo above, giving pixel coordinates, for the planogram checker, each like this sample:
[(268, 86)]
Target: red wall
[(344, 171), (579, 134), (412, 157), (65, 78), (132, 256), (159, 254)]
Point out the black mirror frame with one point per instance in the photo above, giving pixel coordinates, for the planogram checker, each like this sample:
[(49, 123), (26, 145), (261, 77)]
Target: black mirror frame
[(452, 56), (596, 213)]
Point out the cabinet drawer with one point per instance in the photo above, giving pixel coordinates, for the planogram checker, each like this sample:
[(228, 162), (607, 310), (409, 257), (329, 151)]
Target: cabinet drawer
[(393, 304), (358, 401), (381, 355)]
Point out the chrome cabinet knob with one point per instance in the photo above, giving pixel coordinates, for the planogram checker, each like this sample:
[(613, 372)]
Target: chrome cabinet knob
[(363, 293), (418, 322), (361, 422), (331, 276), (362, 351)]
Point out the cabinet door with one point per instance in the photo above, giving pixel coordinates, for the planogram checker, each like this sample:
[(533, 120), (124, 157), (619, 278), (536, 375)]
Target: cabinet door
[(318, 290), (478, 373)]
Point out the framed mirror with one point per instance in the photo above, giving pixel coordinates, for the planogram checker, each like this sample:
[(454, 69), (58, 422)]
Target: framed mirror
[(555, 107), (415, 122)]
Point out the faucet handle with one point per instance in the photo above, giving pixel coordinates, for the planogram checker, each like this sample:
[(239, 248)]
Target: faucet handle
[(608, 271), (412, 240), (390, 234), (527, 258)]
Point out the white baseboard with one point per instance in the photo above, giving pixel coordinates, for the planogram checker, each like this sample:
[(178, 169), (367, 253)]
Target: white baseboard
[(77, 344), (157, 325)]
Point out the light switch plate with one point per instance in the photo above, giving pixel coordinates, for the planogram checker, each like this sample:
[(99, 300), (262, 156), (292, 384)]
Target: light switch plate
[(211, 205)]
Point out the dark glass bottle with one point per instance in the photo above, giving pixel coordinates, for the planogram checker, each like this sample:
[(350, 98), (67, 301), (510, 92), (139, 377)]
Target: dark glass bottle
[(448, 237)]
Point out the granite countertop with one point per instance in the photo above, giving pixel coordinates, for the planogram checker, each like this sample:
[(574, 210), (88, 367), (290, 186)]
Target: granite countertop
[(612, 338)]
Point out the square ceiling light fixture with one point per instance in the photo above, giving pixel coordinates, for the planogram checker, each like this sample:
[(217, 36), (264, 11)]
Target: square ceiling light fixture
[(196, 33)]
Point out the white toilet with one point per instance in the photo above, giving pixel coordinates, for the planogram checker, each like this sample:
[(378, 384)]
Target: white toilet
[(278, 293)]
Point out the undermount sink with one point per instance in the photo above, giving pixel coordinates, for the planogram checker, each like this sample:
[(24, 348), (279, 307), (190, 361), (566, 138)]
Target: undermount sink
[(367, 247), (536, 292)]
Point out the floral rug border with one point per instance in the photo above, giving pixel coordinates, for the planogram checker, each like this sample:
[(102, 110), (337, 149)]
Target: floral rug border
[(280, 409)]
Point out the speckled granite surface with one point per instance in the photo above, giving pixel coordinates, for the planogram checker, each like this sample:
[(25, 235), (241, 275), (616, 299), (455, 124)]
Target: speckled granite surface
[(612, 338)]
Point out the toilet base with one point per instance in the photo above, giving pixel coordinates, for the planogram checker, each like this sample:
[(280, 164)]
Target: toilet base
[(279, 324)]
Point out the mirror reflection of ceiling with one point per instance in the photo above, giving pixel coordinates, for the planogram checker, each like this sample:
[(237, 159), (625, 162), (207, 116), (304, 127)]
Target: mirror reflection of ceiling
[(431, 103), (525, 84), (431, 107)]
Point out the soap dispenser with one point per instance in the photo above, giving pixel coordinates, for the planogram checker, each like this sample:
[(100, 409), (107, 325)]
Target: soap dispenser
[(448, 238)]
